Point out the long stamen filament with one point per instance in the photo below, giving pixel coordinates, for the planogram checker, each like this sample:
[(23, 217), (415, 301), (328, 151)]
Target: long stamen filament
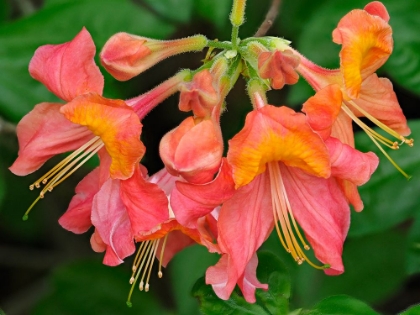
[(385, 141), (389, 158), (160, 274), (64, 169), (409, 142), (143, 265), (57, 167), (282, 212)]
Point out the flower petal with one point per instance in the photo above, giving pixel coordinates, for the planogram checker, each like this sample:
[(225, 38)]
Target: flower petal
[(351, 164), (191, 202), (68, 70), (251, 210), (249, 282), (77, 217), (276, 134), (146, 203), (366, 45), (378, 98), (219, 274), (323, 108), (43, 133), (110, 218), (322, 211), (193, 150), (377, 8), (116, 124)]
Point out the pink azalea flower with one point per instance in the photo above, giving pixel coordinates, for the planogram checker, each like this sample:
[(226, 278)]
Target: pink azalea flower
[(278, 186), (88, 124), (354, 90)]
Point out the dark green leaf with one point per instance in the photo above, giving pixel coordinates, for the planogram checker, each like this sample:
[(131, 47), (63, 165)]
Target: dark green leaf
[(374, 269), (4, 11), (413, 248), (184, 269), (294, 15), (58, 24), (175, 10), (414, 310), (274, 301), (389, 198), (215, 12), (341, 305), (404, 64), (91, 288)]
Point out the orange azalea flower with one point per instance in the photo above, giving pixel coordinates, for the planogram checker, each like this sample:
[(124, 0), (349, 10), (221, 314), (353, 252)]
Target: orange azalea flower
[(155, 226), (86, 124), (356, 91), (285, 174)]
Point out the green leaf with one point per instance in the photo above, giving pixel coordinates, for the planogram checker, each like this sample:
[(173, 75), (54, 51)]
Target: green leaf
[(389, 198), (215, 12), (58, 24), (413, 248), (105, 292), (274, 301), (175, 10), (4, 11), (379, 267), (183, 264), (404, 64), (414, 310), (294, 15), (341, 305)]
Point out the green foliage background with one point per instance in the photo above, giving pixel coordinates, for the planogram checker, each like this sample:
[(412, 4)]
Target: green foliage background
[(46, 270)]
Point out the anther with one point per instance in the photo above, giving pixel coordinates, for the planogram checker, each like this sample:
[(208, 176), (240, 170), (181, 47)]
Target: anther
[(141, 286), (146, 289), (31, 187), (306, 247), (131, 280), (160, 274)]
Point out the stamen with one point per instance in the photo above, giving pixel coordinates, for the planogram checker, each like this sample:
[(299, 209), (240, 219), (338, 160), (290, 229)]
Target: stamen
[(160, 274), (409, 142), (375, 137), (282, 212), (143, 264), (64, 169)]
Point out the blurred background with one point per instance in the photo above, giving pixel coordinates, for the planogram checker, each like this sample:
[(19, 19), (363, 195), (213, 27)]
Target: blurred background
[(47, 270)]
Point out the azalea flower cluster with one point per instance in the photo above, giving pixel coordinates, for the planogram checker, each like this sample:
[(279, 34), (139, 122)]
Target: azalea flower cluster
[(286, 171)]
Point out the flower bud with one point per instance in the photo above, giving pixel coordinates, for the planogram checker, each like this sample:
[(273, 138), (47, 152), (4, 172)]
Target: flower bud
[(193, 150), (279, 67), (124, 55), (199, 95)]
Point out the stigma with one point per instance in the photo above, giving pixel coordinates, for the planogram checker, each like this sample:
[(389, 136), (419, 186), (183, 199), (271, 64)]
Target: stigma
[(64, 169), (285, 223)]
